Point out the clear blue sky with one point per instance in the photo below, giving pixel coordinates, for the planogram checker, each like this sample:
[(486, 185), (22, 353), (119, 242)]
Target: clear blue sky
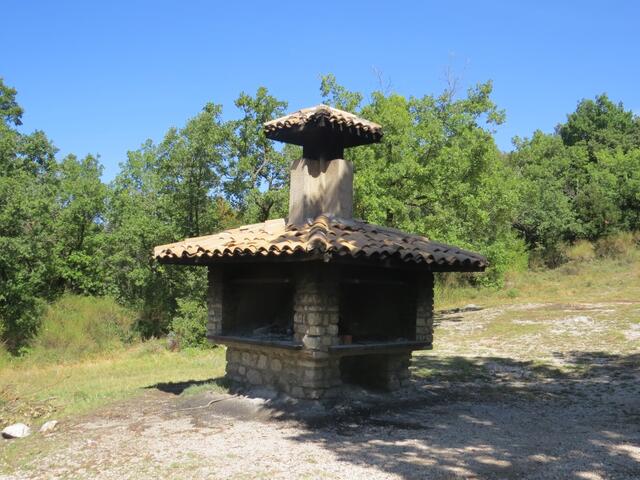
[(101, 77)]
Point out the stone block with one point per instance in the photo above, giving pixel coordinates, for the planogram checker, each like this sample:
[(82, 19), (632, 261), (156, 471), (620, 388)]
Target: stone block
[(313, 373), (249, 359), (314, 343), (327, 340), (313, 393), (262, 361), (318, 354), (314, 330), (276, 365), (254, 377), (314, 318)]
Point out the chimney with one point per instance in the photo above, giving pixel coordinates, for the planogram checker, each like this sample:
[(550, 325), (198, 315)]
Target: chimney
[(322, 181)]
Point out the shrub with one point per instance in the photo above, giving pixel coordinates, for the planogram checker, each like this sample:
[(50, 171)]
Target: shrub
[(506, 256), (512, 293), (614, 246), (75, 326), (5, 356), (581, 251), (551, 256), (190, 323), (570, 269)]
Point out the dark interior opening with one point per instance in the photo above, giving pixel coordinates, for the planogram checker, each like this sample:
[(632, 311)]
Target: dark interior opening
[(367, 371), (377, 307), (259, 304)]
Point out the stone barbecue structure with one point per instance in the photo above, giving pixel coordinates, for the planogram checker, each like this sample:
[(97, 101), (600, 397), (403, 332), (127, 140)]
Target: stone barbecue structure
[(319, 300)]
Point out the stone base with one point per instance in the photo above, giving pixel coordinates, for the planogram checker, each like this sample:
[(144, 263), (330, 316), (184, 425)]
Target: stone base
[(291, 372), (300, 376)]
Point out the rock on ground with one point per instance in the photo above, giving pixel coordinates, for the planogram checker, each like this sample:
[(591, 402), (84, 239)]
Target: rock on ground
[(48, 426), (17, 430)]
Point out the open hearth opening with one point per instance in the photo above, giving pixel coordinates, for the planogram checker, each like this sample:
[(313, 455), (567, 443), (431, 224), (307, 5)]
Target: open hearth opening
[(376, 306), (258, 302)]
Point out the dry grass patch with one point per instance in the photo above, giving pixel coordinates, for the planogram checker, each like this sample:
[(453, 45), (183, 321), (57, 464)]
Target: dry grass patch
[(602, 280)]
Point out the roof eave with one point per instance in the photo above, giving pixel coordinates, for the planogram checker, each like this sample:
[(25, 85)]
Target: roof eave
[(325, 257)]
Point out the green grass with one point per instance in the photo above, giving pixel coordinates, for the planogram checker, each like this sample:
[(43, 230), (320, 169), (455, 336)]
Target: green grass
[(218, 385), (34, 392), (452, 369), (602, 280), (87, 354)]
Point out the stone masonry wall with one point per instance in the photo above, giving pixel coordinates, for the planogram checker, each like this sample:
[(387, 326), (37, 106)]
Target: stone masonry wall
[(316, 312), (315, 325), (424, 308), (289, 371), (256, 366), (214, 301)]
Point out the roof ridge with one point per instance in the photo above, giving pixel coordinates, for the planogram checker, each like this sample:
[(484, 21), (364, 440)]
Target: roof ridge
[(304, 115)]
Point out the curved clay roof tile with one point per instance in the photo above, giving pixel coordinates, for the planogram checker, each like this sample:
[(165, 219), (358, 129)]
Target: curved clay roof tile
[(345, 238)]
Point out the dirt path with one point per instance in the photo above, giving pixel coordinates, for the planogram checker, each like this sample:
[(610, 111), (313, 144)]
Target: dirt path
[(501, 419)]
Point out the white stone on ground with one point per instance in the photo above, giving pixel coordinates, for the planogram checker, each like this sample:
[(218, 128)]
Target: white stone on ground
[(48, 426), (17, 430)]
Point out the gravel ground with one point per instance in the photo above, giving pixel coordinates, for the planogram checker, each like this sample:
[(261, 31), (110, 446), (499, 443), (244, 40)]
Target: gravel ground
[(508, 425)]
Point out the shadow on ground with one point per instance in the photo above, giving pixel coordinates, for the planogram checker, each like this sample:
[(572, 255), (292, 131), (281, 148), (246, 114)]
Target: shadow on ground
[(478, 417), (177, 388), (501, 418)]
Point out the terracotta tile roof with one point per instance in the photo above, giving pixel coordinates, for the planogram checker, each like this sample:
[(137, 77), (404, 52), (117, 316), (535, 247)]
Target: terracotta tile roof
[(293, 128), (330, 237)]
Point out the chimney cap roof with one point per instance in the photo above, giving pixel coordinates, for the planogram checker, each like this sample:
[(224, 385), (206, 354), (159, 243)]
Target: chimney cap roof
[(323, 123)]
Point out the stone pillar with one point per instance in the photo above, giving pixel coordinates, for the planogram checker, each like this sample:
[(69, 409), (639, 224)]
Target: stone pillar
[(396, 371), (316, 311), (316, 315), (424, 308), (214, 301)]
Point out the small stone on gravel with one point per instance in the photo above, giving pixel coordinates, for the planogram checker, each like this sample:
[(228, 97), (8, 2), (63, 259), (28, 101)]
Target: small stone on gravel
[(17, 430), (48, 426)]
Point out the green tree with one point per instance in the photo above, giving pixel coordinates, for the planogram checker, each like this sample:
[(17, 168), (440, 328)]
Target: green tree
[(191, 165), (257, 183), (546, 217), (437, 171), (27, 206), (625, 167), (162, 194), (10, 111), (141, 214), (601, 124), (80, 248), (581, 181)]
